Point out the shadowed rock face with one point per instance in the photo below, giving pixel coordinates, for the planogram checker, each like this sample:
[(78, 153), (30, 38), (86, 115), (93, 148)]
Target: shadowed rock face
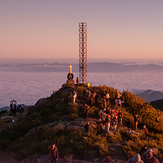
[(158, 104)]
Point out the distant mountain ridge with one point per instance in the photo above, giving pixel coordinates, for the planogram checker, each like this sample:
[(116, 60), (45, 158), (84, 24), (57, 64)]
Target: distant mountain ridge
[(151, 95), (5, 108), (91, 67)]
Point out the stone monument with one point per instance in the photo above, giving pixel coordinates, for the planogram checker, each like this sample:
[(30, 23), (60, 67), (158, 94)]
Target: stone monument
[(70, 76)]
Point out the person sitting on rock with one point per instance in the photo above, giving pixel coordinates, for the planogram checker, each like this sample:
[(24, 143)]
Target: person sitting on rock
[(150, 157), (135, 159)]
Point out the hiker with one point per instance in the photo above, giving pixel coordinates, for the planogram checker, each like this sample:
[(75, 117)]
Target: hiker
[(115, 123), (119, 102), (86, 110), (89, 94), (136, 120), (107, 96), (118, 95), (53, 153), (74, 96), (103, 127), (13, 122), (87, 127), (150, 157), (108, 121), (122, 103), (99, 113), (88, 85), (103, 116), (145, 130), (19, 108), (120, 115), (116, 112), (93, 97), (104, 103), (135, 159), (77, 81), (11, 108), (143, 152), (112, 116), (99, 124)]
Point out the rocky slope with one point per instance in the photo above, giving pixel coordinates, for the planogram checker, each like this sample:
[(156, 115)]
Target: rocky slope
[(57, 119)]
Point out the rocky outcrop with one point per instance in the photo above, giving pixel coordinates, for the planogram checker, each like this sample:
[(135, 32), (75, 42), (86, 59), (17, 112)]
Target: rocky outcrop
[(76, 124)]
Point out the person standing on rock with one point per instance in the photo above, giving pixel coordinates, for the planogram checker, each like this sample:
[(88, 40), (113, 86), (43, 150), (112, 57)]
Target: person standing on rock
[(87, 127), (86, 110), (108, 121), (77, 81), (136, 120), (53, 153), (74, 96), (115, 123), (120, 115)]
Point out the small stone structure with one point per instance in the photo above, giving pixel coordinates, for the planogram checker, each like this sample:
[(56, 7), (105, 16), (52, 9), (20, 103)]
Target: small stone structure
[(70, 76)]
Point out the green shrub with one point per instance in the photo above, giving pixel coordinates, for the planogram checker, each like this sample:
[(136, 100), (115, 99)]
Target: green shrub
[(93, 111), (114, 138)]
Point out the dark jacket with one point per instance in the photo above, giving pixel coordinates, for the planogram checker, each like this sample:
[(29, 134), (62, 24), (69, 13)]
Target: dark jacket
[(54, 153), (136, 118)]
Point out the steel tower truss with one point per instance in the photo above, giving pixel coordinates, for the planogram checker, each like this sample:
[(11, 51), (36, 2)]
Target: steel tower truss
[(83, 52)]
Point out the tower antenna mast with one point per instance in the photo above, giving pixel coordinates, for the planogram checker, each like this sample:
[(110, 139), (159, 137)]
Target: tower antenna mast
[(83, 52)]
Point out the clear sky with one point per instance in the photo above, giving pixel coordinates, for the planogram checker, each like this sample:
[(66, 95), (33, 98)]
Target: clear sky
[(49, 28)]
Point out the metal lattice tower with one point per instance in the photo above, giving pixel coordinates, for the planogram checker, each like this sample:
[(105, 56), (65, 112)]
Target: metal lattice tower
[(83, 52)]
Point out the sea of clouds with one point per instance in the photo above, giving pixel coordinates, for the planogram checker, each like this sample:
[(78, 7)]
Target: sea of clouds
[(28, 88)]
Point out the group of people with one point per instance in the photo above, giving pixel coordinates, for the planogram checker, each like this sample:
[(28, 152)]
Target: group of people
[(14, 107), (109, 118)]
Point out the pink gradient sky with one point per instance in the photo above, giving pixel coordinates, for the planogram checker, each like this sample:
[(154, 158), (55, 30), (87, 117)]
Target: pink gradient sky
[(49, 28)]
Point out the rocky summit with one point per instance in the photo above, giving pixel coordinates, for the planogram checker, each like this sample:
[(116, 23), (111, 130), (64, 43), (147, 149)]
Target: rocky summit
[(73, 119)]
